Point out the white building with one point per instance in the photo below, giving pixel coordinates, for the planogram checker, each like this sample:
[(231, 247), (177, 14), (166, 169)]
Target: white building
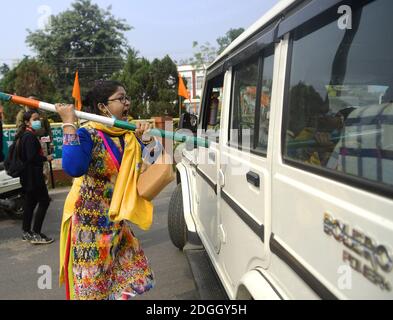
[(195, 78)]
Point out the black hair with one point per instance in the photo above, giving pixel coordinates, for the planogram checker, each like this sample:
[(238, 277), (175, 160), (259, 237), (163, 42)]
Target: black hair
[(26, 118), (100, 93)]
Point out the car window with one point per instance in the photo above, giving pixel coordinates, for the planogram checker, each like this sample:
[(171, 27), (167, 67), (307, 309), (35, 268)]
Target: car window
[(244, 103), (251, 100), (212, 107), (339, 113), (264, 109)]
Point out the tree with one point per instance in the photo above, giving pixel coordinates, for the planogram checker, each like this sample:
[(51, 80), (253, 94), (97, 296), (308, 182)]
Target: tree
[(135, 76), (151, 85), (85, 38), (205, 54), (4, 69), (29, 77), (165, 84), (226, 40)]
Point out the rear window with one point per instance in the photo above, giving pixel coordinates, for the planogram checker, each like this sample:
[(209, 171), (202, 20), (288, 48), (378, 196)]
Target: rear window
[(244, 103), (250, 105), (339, 114)]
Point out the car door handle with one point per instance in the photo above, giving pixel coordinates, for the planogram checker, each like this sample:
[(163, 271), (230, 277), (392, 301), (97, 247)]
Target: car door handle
[(253, 178), (212, 156)]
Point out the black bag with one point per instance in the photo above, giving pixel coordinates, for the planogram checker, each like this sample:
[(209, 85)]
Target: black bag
[(13, 165)]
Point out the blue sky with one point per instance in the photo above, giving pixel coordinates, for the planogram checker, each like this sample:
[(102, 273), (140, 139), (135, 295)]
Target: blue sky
[(160, 27)]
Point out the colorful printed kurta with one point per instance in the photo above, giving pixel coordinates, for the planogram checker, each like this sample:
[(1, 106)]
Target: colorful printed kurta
[(105, 258)]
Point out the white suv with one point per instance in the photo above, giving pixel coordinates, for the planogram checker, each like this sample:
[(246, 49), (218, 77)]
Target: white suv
[(293, 197)]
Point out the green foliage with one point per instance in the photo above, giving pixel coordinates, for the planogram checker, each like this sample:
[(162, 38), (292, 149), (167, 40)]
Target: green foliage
[(85, 38), (163, 108), (204, 54), (4, 69), (151, 85), (30, 77), (226, 40), (164, 80), (91, 40)]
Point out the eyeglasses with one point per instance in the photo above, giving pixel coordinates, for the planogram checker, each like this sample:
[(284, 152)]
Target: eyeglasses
[(122, 99)]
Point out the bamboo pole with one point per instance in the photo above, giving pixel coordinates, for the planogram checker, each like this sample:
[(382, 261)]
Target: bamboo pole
[(105, 121)]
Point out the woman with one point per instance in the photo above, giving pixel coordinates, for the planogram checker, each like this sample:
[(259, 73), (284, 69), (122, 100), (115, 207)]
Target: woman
[(100, 256), (32, 178)]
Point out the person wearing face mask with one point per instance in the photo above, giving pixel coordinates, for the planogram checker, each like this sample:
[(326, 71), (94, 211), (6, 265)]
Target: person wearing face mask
[(45, 130), (32, 179), (100, 257), (42, 134)]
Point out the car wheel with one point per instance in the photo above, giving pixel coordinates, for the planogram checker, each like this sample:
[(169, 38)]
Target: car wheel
[(17, 210), (176, 223)]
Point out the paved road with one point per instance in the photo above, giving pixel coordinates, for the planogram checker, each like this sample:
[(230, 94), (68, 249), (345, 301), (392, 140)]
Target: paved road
[(19, 262)]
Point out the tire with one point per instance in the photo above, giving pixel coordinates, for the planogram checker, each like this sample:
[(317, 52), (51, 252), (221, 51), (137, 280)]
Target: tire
[(17, 211), (176, 223)]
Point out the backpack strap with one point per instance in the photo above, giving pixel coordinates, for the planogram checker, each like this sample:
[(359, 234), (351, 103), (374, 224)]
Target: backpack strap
[(18, 148)]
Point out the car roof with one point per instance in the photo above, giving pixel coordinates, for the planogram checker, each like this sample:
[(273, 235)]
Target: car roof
[(259, 24)]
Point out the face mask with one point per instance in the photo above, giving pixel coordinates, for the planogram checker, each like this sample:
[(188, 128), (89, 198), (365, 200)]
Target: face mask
[(36, 125), (113, 117)]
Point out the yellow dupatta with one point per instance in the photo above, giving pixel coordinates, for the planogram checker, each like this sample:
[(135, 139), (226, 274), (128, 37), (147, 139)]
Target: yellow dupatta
[(126, 203)]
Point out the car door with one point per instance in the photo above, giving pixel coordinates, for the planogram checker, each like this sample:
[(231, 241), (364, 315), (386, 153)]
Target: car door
[(332, 174), (245, 167), (207, 164)]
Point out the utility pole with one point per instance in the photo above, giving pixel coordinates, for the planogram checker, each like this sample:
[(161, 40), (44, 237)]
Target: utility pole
[(179, 107)]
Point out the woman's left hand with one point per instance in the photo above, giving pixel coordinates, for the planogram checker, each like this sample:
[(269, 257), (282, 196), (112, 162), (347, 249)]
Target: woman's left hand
[(142, 128)]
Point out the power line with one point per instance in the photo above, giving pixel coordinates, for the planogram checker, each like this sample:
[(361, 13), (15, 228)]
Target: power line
[(91, 58)]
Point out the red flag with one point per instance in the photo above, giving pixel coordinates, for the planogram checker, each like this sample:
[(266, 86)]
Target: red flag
[(183, 89), (76, 93)]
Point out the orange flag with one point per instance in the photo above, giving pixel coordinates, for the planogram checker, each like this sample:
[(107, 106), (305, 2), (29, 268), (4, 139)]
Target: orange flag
[(76, 93), (183, 89)]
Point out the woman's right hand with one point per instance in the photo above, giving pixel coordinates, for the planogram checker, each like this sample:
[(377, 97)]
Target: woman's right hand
[(66, 112)]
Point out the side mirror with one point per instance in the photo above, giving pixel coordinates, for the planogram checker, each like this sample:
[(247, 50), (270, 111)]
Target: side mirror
[(189, 121)]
